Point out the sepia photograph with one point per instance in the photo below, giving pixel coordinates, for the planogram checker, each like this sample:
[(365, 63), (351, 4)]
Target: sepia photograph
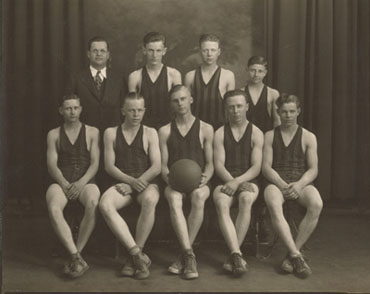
[(185, 146)]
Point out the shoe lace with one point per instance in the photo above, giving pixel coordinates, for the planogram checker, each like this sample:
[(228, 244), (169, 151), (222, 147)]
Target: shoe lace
[(299, 262), (189, 262), (237, 260)]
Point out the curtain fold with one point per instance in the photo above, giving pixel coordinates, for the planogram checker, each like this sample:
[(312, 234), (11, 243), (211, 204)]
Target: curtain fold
[(317, 49), (320, 52)]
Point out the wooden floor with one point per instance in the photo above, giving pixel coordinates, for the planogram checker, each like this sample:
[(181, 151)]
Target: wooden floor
[(339, 257)]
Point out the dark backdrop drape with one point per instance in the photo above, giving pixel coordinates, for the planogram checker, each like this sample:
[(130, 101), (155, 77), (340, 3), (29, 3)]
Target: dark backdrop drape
[(318, 50)]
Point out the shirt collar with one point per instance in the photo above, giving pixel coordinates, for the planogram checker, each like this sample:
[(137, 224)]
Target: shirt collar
[(103, 72)]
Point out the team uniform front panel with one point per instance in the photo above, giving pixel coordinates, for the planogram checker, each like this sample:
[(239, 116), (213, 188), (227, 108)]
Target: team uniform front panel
[(258, 114), (187, 147), (73, 159), (131, 159), (158, 112), (208, 101), (289, 161)]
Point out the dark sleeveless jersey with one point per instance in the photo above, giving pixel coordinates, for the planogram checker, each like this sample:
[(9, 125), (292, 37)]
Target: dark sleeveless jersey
[(73, 160), (208, 102), (237, 154), (289, 162), (188, 147), (258, 114), (157, 106), (131, 159)]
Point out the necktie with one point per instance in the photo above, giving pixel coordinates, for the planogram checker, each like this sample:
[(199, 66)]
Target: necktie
[(98, 80)]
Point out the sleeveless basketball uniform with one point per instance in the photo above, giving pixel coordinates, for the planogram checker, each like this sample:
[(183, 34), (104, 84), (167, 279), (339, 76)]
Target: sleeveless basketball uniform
[(73, 159), (131, 159), (258, 114), (157, 106), (208, 102), (188, 147), (289, 161)]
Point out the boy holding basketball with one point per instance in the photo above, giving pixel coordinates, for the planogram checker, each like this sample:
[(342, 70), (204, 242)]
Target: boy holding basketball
[(238, 158), (186, 137), (132, 158), (290, 164)]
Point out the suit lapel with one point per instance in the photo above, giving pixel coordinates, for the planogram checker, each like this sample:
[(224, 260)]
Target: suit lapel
[(89, 83), (108, 85)]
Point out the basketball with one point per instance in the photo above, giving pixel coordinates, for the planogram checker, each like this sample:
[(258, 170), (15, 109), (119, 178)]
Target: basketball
[(185, 175)]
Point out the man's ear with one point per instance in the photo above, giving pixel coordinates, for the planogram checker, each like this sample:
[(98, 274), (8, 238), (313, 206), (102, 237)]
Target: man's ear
[(60, 109)]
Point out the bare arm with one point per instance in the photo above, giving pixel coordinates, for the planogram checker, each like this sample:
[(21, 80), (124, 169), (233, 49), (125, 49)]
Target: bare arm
[(230, 81), (164, 133), (154, 155), (310, 175), (134, 81), (208, 152), (175, 77), (276, 118), (52, 160), (267, 170), (189, 80), (220, 156)]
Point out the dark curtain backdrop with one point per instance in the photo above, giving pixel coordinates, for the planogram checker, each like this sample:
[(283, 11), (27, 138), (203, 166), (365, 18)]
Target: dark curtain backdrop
[(318, 50)]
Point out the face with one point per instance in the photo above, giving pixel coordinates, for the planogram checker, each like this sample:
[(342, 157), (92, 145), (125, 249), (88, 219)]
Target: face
[(210, 51), (154, 52), (133, 111), (98, 54), (236, 108), (181, 101), (71, 110), (288, 113), (257, 73)]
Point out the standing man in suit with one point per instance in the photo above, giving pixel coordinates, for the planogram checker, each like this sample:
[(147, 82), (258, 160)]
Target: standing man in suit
[(154, 80), (100, 89)]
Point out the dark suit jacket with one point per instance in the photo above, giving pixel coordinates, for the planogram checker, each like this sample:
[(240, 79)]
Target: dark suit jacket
[(99, 112)]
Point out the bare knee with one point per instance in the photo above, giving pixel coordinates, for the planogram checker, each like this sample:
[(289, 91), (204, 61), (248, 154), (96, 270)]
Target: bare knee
[(106, 205), (246, 200), (149, 199), (198, 198)]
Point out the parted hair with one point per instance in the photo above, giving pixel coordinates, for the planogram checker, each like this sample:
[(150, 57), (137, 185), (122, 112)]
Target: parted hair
[(287, 98), (97, 39), (154, 37), (209, 37), (69, 97), (257, 60), (233, 93), (132, 96)]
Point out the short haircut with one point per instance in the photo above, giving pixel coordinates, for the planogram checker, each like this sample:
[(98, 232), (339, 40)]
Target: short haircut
[(176, 89), (154, 37), (209, 37), (97, 39), (287, 98), (133, 96), (257, 60), (69, 97), (233, 93)]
